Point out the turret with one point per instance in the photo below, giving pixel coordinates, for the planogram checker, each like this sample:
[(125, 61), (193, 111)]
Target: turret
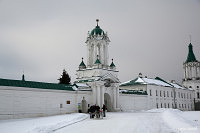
[(191, 66)]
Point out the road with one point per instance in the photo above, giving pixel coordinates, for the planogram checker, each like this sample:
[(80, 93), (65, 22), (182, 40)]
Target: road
[(118, 122)]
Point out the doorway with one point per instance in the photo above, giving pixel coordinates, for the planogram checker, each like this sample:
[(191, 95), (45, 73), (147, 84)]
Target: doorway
[(107, 102)]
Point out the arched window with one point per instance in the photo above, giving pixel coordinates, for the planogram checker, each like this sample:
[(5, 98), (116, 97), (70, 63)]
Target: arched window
[(198, 95)]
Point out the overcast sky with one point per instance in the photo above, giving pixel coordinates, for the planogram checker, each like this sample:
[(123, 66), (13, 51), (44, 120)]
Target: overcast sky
[(42, 37)]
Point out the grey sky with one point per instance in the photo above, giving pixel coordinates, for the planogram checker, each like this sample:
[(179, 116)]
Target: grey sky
[(42, 37)]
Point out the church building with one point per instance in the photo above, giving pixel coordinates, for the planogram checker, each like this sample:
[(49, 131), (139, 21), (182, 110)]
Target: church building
[(101, 77)]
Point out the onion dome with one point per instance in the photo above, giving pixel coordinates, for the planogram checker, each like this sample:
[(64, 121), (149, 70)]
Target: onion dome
[(112, 65), (82, 65), (191, 57), (97, 61), (97, 30)]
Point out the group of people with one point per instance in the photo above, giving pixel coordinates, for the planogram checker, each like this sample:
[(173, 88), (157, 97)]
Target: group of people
[(95, 110)]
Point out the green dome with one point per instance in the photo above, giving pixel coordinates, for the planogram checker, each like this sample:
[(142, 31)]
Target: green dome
[(191, 56), (112, 65), (97, 31)]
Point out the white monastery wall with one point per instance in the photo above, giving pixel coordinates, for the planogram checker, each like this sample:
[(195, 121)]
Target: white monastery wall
[(19, 102), (133, 102)]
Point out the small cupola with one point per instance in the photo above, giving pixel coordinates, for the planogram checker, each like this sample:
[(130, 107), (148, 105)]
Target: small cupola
[(112, 65), (82, 65), (97, 61)]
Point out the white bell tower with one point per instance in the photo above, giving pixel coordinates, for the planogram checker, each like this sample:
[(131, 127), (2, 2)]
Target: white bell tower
[(97, 47), (98, 75)]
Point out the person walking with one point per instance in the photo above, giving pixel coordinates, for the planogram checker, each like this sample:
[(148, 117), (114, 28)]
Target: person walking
[(104, 110)]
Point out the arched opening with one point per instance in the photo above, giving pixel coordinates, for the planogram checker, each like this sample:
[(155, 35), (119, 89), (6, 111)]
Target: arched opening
[(84, 105), (107, 102)]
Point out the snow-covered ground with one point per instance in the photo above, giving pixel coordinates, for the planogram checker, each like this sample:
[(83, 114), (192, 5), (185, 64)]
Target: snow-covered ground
[(151, 121)]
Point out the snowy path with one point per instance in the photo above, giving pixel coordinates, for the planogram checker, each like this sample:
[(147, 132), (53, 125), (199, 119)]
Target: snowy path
[(121, 123), (151, 121)]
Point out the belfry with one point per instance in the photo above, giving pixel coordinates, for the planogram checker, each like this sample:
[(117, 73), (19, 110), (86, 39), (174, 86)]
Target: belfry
[(98, 75)]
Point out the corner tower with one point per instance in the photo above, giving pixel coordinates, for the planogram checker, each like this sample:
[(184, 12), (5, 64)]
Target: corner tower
[(191, 66), (192, 75)]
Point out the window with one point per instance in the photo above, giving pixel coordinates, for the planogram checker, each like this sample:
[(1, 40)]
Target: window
[(160, 93), (182, 106), (172, 105), (164, 93), (150, 92), (197, 86), (67, 102), (190, 86), (157, 105), (167, 94), (168, 105), (171, 94), (185, 106), (178, 94), (181, 95), (190, 96), (197, 94), (187, 95), (161, 105), (184, 95), (165, 105), (156, 93), (61, 106)]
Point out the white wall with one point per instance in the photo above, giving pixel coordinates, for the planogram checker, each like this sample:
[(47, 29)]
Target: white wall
[(18, 102), (133, 102)]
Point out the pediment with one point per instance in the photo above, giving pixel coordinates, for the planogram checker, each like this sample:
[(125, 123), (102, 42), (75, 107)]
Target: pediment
[(110, 77)]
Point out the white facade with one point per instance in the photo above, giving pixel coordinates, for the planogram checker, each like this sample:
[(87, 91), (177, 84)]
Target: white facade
[(160, 94)]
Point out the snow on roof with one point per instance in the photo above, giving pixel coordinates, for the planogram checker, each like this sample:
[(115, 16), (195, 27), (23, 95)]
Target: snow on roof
[(82, 85), (146, 81), (179, 86), (153, 81), (157, 81)]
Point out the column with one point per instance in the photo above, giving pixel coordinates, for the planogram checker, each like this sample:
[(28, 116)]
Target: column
[(102, 54), (102, 96), (114, 100), (199, 72), (196, 74), (190, 72), (94, 54), (117, 94), (98, 95), (94, 95)]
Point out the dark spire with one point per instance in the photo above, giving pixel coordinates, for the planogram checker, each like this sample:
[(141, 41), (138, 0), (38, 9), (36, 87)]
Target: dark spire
[(97, 21), (191, 57), (82, 64), (97, 61), (112, 65), (23, 77)]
